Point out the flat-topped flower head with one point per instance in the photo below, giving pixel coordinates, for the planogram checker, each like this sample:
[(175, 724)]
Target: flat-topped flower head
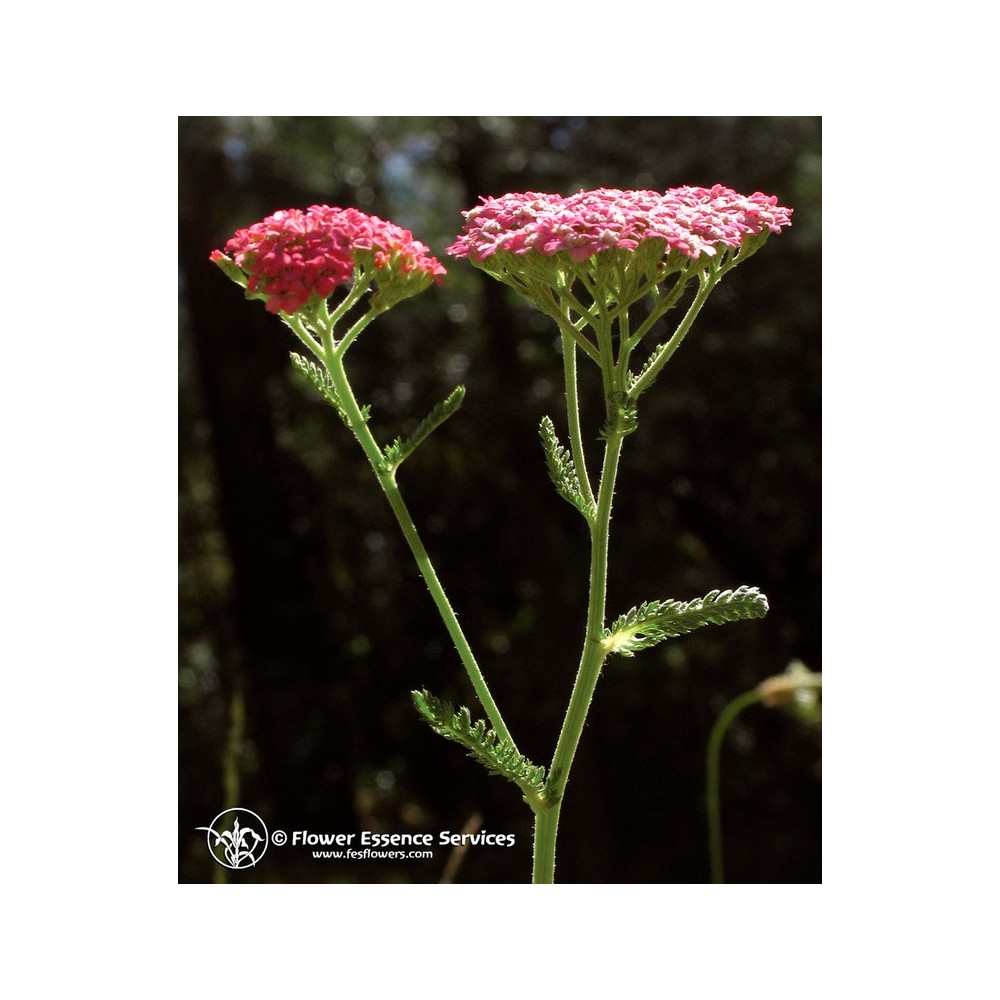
[(293, 257), (586, 259), (692, 221)]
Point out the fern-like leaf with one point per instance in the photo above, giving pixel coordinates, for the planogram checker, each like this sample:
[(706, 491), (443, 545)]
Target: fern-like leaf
[(562, 470), (657, 353), (401, 449), (482, 742), (320, 379), (654, 621)]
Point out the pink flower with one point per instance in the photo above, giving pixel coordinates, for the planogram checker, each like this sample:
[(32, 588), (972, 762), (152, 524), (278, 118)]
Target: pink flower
[(690, 220), (293, 254)]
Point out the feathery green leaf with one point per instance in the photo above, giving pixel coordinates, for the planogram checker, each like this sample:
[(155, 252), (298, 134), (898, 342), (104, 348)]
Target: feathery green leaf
[(562, 470), (654, 357), (623, 415), (482, 742), (320, 379), (654, 621), (401, 449)]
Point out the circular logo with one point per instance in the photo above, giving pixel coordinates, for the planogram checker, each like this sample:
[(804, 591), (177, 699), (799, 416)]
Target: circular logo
[(237, 838)]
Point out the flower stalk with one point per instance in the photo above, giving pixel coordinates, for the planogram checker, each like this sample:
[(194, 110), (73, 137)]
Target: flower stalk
[(796, 683), (386, 477), (588, 672)]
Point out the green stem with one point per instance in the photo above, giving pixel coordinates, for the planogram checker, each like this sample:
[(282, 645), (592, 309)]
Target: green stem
[(726, 716), (295, 324), (566, 296), (560, 310), (387, 480), (573, 416), (543, 869), (594, 653), (661, 306), (708, 282), (351, 334), (355, 294)]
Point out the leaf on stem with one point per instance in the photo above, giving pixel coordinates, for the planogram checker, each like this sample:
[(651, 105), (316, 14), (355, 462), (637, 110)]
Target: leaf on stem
[(623, 416), (651, 362), (483, 744), (401, 449), (562, 470), (654, 621), (320, 378)]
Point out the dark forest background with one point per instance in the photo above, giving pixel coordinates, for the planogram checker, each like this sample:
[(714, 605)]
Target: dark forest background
[(298, 594)]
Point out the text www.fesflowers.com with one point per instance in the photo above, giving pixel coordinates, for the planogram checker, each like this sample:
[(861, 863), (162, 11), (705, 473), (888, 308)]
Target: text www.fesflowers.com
[(367, 845), (369, 854)]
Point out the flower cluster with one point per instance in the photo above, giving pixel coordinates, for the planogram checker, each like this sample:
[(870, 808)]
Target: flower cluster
[(691, 220), (294, 255)]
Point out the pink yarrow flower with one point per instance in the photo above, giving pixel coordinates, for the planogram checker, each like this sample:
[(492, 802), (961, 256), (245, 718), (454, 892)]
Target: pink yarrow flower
[(294, 255), (691, 220)]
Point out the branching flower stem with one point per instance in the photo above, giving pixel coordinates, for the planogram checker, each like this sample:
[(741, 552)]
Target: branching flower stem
[(662, 304), (333, 358), (594, 652), (295, 324), (708, 281), (614, 374)]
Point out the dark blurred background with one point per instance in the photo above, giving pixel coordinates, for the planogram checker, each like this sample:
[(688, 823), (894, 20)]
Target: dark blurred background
[(299, 597)]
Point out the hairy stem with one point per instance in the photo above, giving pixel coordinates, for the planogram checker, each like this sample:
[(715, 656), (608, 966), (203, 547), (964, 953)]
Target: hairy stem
[(573, 415), (594, 654), (649, 375), (387, 480)]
